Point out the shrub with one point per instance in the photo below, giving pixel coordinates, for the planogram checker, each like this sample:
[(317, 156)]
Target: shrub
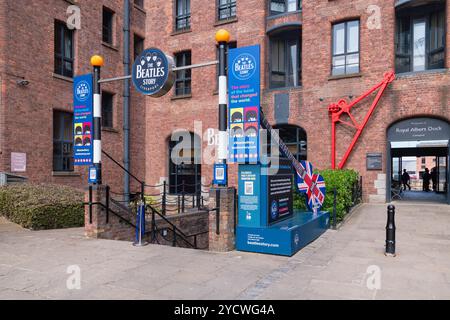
[(344, 182), (40, 207)]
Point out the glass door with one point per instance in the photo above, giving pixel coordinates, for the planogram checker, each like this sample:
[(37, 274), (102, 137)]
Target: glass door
[(441, 174)]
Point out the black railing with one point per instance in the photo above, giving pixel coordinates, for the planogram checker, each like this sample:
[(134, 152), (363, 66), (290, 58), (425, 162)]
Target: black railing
[(159, 204), (175, 232), (167, 203)]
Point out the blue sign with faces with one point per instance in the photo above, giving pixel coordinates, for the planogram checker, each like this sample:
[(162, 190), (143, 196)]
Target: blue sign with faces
[(244, 99), (153, 73), (83, 128)]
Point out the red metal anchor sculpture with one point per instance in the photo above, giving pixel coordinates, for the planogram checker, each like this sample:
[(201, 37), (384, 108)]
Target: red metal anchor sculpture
[(342, 107)]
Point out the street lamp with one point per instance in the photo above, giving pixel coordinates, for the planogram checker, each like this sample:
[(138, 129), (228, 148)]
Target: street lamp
[(222, 38)]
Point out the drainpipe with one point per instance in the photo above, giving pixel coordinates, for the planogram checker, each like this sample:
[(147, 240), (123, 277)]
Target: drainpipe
[(126, 99)]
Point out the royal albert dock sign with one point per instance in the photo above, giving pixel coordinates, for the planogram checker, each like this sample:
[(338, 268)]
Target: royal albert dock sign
[(153, 73), (83, 120), (244, 104)]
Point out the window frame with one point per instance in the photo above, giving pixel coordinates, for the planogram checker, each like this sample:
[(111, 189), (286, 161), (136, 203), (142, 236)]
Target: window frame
[(111, 112), (186, 16), (183, 79), (60, 140), (228, 6), (62, 56), (286, 43), (142, 40), (110, 35), (412, 14), (286, 8), (346, 53)]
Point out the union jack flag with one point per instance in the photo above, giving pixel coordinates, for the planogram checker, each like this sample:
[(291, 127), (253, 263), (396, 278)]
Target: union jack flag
[(313, 185)]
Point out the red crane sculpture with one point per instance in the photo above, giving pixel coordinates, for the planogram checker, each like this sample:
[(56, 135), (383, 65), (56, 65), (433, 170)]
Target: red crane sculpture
[(342, 107)]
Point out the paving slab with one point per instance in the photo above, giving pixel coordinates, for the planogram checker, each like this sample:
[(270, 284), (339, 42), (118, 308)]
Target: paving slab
[(345, 264)]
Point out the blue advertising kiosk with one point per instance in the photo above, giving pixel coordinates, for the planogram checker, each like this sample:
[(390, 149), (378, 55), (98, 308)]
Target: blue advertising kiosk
[(267, 222)]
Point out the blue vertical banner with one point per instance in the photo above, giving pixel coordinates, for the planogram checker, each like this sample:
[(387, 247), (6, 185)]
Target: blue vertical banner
[(83, 125), (244, 90)]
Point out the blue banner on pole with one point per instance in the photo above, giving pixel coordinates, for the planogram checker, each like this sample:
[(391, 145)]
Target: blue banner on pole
[(83, 120), (244, 91)]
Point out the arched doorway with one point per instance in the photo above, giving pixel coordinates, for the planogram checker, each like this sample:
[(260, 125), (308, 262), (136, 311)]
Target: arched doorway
[(185, 172), (295, 139), (418, 151)]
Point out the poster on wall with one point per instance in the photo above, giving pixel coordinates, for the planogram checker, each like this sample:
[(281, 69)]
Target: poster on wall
[(244, 104), (18, 162), (83, 120)]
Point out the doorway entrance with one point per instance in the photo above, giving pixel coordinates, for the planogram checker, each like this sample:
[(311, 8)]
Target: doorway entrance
[(418, 159)]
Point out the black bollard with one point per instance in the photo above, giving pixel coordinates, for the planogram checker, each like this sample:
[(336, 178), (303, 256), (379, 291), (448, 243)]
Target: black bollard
[(390, 232)]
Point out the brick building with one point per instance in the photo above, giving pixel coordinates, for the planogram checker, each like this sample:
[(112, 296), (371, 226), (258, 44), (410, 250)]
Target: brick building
[(39, 55), (315, 52)]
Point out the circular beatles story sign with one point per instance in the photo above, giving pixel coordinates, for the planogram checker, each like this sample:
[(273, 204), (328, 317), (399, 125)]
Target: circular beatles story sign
[(153, 73)]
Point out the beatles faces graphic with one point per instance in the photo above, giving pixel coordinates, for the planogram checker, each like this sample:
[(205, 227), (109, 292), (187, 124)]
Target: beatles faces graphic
[(83, 134)]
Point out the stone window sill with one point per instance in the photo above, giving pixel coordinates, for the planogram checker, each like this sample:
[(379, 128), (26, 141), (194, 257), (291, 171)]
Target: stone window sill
[(418, 73), (65, 174), (109, 129), (183, 31), (345, 76), (225, 21), (60, 77), (298, 88), (186, 96), (110, 46), (280, 15)]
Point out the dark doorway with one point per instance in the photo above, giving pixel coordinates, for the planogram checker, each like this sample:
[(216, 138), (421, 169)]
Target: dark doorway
[(185, 172)]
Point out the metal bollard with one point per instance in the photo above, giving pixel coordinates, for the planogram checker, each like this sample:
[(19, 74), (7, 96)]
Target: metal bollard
[(140, 226), (390, 232)]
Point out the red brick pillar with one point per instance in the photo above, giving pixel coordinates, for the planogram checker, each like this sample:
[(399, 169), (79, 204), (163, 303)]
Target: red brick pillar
[(222, 232), (95, 216)]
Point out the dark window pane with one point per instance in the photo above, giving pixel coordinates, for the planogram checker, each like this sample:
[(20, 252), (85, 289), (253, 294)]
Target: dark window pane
[(138, 46), (420, 38), (183, 77), (285, 60), (62, 141), (63, 47), (108, 16), (107, 110), (139, 3), (182, 14), (227, 9)]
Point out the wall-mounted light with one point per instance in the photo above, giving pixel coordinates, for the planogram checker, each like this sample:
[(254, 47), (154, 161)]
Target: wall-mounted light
[(23, 82), (321, 99)]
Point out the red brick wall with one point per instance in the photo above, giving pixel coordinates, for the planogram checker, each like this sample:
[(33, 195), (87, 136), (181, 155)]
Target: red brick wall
[(415, 95), (27, 41), (27, 27)]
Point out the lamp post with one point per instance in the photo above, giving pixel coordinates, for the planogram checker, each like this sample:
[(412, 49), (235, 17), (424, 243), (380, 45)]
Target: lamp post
[(97, 63), (222, 38)]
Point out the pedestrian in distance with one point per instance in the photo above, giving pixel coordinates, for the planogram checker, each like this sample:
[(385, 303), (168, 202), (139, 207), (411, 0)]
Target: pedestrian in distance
[(426, 180), (406, 180)]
